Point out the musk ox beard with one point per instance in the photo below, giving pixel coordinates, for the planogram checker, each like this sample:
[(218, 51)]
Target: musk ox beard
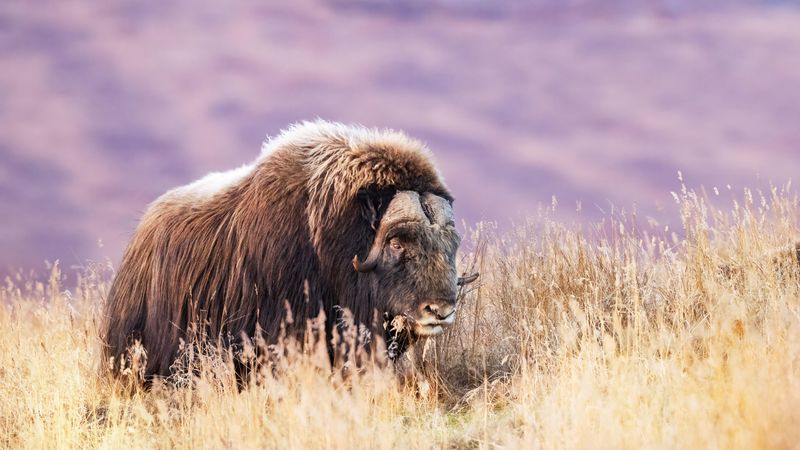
[(329, 218)]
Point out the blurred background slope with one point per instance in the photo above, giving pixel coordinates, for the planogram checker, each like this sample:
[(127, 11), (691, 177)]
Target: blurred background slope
[(104, 106)]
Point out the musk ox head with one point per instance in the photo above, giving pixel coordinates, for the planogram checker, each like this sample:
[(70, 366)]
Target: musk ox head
[(411, 263)]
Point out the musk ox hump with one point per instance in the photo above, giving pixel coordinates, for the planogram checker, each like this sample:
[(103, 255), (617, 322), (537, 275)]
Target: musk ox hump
[(341, 160)]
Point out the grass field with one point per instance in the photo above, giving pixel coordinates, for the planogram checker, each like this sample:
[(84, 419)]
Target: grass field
[(601, 337)]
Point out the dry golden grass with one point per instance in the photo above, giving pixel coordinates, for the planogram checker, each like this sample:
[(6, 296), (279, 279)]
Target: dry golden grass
[(599, 338)]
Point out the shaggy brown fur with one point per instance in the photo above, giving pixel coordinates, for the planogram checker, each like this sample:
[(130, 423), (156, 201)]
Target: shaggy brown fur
[(285, 229)]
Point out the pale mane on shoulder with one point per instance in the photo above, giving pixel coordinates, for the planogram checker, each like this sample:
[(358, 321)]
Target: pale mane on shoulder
[(210, 185), (320, 139)]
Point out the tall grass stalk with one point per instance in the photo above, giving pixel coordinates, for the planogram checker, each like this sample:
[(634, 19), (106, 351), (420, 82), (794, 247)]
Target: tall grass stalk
[(612, 336)]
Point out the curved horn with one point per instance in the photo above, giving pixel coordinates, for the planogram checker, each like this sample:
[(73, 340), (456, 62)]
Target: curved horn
[(462, 281), (438, 209), (366, 266), (404, 207), (369, 264)]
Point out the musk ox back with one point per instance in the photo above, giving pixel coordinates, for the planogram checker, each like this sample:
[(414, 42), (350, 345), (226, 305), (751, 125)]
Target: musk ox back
[(329, 218)]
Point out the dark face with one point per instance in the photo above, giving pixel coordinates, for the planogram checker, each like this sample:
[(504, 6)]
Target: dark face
[(412, 265)]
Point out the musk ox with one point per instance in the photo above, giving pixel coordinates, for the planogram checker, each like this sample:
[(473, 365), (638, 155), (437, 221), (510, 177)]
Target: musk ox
[(329, 218)]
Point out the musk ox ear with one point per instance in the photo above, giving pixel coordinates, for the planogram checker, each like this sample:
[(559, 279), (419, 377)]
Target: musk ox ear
[(374, 201)]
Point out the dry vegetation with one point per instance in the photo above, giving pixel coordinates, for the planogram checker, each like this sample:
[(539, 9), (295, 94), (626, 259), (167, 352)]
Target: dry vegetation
[(598, 338)]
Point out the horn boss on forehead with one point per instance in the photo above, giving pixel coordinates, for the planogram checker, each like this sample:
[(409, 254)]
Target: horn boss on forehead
[(404, 206), (440, 210)]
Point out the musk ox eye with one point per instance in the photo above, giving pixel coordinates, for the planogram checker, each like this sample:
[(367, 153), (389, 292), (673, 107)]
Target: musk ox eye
[(395, 244)]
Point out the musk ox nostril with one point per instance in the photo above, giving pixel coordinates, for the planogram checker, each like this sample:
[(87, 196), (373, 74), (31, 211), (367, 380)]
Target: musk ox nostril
[(440, 310)]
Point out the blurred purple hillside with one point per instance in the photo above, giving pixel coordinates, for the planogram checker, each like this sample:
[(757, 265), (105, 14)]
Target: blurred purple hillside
[(105, 105)]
